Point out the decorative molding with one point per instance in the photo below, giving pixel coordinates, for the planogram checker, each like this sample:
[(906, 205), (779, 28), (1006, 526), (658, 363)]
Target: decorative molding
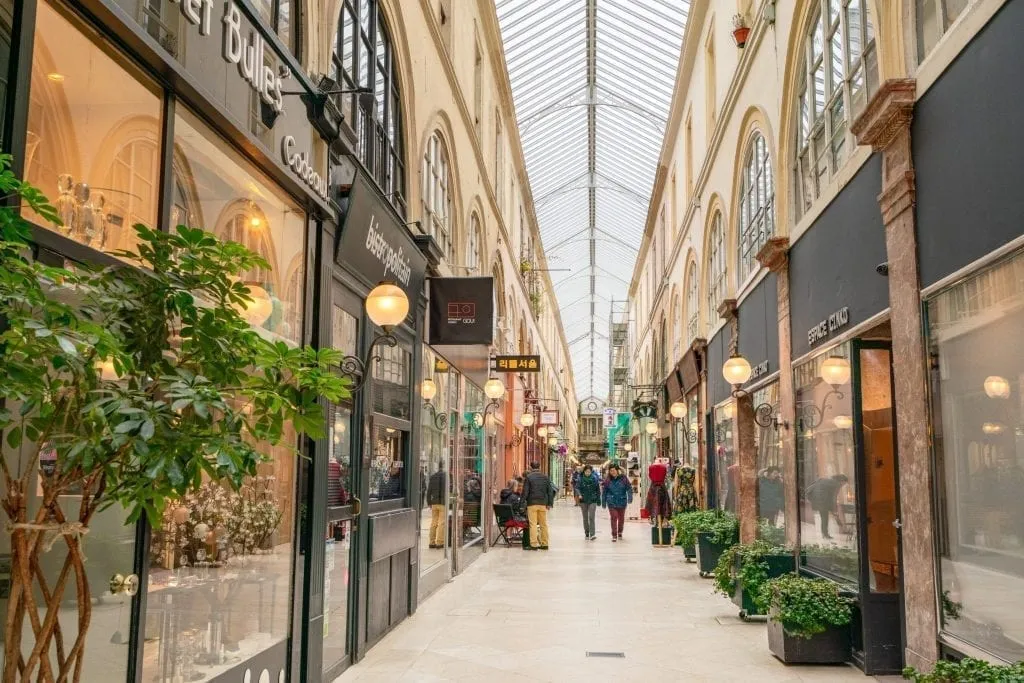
[(774, 255), (888, 114)]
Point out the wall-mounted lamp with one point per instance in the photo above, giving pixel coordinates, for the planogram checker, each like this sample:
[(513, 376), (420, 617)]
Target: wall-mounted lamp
[(651, 428), (494, 389), (678, 412), (428, 389), (737, 371), (527, 419), (542, 432), (835, 371), (387, 306), (997, 387)]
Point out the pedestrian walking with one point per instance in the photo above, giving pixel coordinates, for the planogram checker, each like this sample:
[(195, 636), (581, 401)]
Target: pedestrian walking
[(437, 499), (617, 495), (588, 493), (538, 493)]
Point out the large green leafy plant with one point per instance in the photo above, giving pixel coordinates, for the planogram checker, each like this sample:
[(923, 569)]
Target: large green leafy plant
[(127, 386), (687, 525), (745, 565), (968, 670), (806, 607)]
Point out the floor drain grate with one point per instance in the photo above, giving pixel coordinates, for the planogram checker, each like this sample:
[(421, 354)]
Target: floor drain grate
[(618, 655)]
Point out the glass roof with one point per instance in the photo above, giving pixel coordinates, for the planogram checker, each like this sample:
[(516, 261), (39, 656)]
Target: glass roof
[(592, 82)]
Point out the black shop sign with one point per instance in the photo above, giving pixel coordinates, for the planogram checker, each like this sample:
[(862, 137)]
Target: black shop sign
[(461, 311), (376, 246)]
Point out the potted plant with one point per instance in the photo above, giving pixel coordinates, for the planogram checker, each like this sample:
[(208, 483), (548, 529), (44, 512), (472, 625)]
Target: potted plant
[(968, 670), (715, 533), (743, 572), (687, 524), (525, 266), (808, 620), (740, 30), (132, 387)]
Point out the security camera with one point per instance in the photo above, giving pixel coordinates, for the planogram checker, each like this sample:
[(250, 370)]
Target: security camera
[(882, 269)]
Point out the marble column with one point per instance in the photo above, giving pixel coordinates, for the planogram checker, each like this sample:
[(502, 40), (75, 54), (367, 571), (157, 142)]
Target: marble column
[(885, 125), (775, 257), (743, 434)]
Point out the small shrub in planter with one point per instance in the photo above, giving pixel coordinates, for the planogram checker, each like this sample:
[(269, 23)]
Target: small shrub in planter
[(968, 670), (715, 534), (743, 572), (766, 531), (808, 620), (687, 524)]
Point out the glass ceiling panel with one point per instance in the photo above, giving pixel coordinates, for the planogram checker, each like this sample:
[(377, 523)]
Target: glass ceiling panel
[(591, 184)]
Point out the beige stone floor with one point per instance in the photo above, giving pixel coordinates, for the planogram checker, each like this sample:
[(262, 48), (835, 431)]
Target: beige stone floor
[(532, 616)]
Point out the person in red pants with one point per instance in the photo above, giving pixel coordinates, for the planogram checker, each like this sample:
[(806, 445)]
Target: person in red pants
[(616, 494)]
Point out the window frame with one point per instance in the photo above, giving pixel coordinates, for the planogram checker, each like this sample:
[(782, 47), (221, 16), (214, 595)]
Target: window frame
[(474, 242), (718, 268), (824, 142), (379, 131), (756, 214), (437, 195)]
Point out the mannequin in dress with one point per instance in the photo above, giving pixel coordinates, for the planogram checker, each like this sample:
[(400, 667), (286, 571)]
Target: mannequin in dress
[(659, 503)]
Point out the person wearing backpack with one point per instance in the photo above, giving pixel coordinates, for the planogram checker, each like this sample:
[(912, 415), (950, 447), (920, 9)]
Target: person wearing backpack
[(538, 494), (617, 495), (588, 493)]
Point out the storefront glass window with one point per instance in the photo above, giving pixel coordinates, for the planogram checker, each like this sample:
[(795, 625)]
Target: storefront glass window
[(471, 464), (387, 469), (977, 380), (771, 500), (826, 467), (93, 137), (726, 470), (433, 470), (215, 190), (6, 28), (692, 431)]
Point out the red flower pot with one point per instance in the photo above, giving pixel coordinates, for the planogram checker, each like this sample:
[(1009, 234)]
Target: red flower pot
[(740, 35)]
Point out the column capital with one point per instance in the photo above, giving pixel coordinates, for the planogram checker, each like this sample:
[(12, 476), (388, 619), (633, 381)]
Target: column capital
[(888, 113), (727, 309), (774, 255)]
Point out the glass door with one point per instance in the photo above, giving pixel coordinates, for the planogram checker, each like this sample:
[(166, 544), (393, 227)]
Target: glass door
[(878, 466), (343, 504)]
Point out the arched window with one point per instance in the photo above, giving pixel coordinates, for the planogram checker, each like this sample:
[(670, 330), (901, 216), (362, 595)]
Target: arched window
[(757, 206), (676, 315), (934, 17), (437, 199), (364, 58), (474, 240), (692, 304), (716, 265), (838, 76)]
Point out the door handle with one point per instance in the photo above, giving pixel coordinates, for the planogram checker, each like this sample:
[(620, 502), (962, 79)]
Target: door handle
[(129, 585), (897, 523), (357, 506)]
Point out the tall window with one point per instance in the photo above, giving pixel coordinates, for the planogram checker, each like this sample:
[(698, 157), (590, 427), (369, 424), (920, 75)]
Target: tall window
[(499, 162), (839, 76), (364, 58), (437, 200), (709, 81), (757, 205), (278, 15), (689, 156), (473, 242), (692, 304), (934, 17), (716, 265)]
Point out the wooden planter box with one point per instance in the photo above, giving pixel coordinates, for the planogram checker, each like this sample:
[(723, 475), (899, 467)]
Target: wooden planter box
[(830, 647), (708, 553), (777, 566)]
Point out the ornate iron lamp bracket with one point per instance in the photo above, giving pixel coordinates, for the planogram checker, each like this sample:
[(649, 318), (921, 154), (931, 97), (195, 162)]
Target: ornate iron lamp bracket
[(357, 369)]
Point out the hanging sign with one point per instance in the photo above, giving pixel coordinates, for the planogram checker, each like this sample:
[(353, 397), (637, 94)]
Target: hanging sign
[(645, 410), (461, 311), (520, 363), (609, 418), (829, 326), (548, 418), (441, 366)]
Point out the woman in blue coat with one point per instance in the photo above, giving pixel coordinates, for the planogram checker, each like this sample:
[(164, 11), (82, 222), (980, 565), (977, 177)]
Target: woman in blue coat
[(616, 495)]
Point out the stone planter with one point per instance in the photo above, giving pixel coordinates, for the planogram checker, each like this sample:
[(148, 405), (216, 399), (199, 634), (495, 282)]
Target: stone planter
[(690, 552), (829, 647), (777, 566), (708, 553)]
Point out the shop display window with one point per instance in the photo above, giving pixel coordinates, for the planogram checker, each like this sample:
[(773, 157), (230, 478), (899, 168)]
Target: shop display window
[(387, 468), (771, 498), (391, 382), (726, 469), (826, 471), (93, 140), (471, 465), (215, 190), (434, 480), (977, 391)]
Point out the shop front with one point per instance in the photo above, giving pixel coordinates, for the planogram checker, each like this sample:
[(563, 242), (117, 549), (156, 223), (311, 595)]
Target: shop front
[(847, 463), (124, 115)]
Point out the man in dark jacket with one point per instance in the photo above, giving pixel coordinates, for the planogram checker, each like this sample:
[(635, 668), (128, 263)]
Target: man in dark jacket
[(823, 496), (510, 496), (588, 493), (437, 493), (538, 495)]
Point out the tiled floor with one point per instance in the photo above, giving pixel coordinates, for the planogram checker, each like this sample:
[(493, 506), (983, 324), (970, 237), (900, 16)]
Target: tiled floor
[(522, 616)]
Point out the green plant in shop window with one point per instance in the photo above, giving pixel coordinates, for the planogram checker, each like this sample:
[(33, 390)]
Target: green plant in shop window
[(130, 387)]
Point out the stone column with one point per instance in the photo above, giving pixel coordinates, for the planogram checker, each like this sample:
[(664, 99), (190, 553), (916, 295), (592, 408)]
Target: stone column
[(775, 257), (885, 125)]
